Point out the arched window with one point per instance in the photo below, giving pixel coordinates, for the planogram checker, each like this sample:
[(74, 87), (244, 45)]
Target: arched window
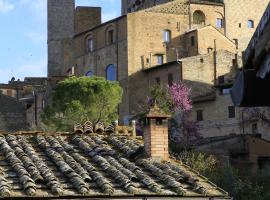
[(111, 73), (198, 17), (89, 73), (166, 36), (250, 23), (89, 44)]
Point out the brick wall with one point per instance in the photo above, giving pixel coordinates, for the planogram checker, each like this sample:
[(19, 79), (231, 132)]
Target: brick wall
[(156, 139)]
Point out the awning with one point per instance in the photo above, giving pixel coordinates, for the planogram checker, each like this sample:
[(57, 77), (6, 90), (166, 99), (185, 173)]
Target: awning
[(249, 90)]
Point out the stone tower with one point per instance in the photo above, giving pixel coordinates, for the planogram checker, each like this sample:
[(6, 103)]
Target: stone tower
[(60, 31)]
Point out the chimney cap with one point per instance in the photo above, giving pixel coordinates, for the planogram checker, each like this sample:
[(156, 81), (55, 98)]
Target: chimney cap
[(156, 112)]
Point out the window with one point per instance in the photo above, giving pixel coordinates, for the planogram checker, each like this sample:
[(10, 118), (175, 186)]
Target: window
[(170, 79), (89, 73), (221, 80), (111, 73), (158, 80), (250, 24), (198, 17), (209, 49), (219, 23), (166, 36), (160, 59), (231, 110), (110, 36), (192, 40), (254, 128), (90, 45), (199, 115), (240, 25)]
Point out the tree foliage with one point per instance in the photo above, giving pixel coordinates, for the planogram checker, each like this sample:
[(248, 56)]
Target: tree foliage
[(175, 100), (80, 99), (242, 184)]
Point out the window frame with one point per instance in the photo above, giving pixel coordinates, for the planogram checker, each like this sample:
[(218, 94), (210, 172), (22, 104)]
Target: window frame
[(197, 21), (108, 73), (250, 24), (160, 59), (199, 115), (231, 112), (110, 36), (219, 23), (167, 36)]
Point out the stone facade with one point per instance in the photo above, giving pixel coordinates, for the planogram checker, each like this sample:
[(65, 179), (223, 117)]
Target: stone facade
[(60, 31), (200, 46), (235, 15), (12, 114)]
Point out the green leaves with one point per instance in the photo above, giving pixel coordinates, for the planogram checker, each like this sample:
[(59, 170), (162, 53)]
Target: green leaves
[(80, 99)]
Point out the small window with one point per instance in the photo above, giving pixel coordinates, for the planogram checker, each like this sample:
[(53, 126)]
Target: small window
[(199, 115), (160, 59), (209, 49), (158, 80), (250, 24), (90, 45), (255, 128), (111, 74), (170, 79), (110, 36), (192, 40), (166, 36), (219, 23), (231, 110)]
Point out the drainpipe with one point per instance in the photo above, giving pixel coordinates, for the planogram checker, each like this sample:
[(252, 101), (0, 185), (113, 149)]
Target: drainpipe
[(215, 62), (189, 14)]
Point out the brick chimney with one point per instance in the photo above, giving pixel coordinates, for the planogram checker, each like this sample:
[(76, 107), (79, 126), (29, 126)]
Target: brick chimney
[(156, 142)]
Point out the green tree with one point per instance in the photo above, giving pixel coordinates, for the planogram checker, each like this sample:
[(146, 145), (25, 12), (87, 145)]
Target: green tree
[(80, 99)]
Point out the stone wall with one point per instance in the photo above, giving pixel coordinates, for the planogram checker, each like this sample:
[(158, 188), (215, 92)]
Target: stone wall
[(237, 15), (60, 27), (12, 114), (87, 18)]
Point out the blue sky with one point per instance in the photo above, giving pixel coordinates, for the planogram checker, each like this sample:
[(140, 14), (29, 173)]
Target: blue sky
[(23, 39)]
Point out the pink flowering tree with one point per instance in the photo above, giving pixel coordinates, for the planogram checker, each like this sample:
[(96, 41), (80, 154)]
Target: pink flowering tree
[(183, 129), (175, 100)]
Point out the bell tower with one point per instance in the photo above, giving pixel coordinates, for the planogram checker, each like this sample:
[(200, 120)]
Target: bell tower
[(60, 30)]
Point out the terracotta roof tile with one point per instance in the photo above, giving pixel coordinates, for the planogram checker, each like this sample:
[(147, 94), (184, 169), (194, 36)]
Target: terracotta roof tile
[(87, 164)]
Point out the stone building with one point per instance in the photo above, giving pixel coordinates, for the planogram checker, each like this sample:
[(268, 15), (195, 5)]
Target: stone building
[(204, 36), (24, 102)]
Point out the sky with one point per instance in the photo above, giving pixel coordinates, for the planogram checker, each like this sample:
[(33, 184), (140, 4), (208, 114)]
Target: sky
[(23, 35)]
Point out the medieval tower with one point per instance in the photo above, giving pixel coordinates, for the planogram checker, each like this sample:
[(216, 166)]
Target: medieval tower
[(60, 31)]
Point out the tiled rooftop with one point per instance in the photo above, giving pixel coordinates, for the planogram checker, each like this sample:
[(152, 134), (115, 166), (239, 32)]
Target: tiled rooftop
[(84, 164)]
